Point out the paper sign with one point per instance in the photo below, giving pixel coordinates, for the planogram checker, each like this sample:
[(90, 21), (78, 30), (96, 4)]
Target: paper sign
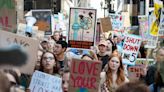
[(144, 61), (143, 26), (130, 49), (117, 22), (29, 45), (157, 12), (152, 40), (82, 29), (8, 18), (106, 24), (42, 82), (161, 29), (85, 76)]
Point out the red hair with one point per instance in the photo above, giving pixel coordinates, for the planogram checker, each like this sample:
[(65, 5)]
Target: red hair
[(120, 73)]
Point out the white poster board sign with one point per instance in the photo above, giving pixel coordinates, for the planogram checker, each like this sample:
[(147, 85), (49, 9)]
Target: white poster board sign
[(130, 49), (42, 82)]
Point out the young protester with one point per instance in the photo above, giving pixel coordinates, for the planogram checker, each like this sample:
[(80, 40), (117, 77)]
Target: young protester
[(14, 79), (39, 55), (48, 64), (113, 75), (59, 51), (65, 80), (102, 54), (56, 36), (134, 86), (149, 74), (158, 85), (87, 57), (4, 82)]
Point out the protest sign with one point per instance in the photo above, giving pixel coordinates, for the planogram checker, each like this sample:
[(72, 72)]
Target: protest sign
[(106, 24), (8, 18), (43, 20), (117, 22), (144, 61), (143, 26), (29, 45), (98, 32), (152, 40), (161, 28), (42, 82), (85, 76), (82, 30), (134, 72), (130, 49), (157, 12)]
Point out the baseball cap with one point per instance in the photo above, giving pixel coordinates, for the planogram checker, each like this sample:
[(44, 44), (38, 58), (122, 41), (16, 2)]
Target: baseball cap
[(103, 42)]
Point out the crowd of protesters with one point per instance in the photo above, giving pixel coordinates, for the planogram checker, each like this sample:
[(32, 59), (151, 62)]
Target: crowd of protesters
[(54, 58)]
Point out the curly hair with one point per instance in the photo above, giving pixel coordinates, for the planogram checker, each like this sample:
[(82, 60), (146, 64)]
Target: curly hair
[(120, 73)]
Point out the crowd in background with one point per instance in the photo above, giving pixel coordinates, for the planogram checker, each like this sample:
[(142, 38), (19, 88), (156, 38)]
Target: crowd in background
[(54, 58)]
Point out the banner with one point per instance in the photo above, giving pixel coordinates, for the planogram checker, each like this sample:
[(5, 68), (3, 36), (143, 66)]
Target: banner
[(42, 82), (82, 29), (29, 45), (8, 17), (157, 12), (130, 49), (143, 26), (117, 22), (43, 20), (106, 24), (85, 76), (152, 40), (161, 27)]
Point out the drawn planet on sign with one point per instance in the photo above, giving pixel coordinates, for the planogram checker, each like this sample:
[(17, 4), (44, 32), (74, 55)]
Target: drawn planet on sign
[(82, 90)]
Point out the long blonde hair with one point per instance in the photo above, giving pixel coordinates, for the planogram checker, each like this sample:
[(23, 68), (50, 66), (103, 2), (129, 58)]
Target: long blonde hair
[(120, 73)]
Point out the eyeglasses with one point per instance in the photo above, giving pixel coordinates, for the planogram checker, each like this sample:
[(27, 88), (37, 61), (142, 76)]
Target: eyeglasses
[(48, 58)]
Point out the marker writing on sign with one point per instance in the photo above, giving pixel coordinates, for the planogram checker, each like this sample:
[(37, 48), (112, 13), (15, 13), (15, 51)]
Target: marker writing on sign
[(16, 41), (82, 69)]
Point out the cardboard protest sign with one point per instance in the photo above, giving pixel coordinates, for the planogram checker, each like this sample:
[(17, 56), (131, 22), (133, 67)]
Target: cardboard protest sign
[(29, 45), (130, 49), (161, 27), (157, 12), (42, 82), (117, 22), (152, 40), (143, 26), (8, 18), (82, 30), (106, 24), (85, 76), (134, 72), (43, 20)]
